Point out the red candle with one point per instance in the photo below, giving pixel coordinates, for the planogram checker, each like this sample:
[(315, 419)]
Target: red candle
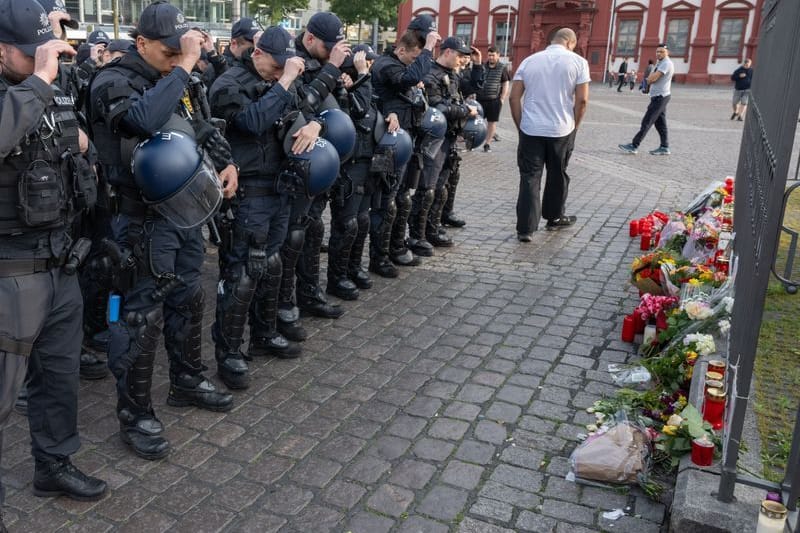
[(702, 452), (729, 185), (628, 328), (646, 238), (717, 365), (634, 229), (661, 321), (638, 322), (714, 408), (658, 238)]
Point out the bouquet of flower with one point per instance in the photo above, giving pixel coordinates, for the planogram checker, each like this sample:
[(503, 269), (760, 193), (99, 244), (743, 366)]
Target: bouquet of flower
[(646, 270), (677, 434), (703, 238)]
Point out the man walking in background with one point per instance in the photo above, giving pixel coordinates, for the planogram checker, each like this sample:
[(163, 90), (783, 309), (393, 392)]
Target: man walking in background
[(742, 78), (494, 92), (623, 69), (548, 99), (660, 84)]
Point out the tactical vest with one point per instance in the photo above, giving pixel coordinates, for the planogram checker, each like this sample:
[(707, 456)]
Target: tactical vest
[(391, 101), (492, 84), (448, 85), (46, 180), (257, 157)]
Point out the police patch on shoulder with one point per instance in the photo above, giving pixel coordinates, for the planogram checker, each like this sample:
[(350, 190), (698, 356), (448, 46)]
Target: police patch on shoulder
[(64, 100)]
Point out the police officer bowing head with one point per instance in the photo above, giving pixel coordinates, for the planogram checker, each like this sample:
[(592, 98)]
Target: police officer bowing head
[(243, 36), (164, 40), (274, 54), (44, 181), (324, 39)]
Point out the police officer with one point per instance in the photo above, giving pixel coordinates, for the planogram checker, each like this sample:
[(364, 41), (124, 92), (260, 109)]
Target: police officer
[(243, 32), (395, 75), (351, 194), (144, 92), (324, 49), (442, 87), (44, 181), (253, 96)]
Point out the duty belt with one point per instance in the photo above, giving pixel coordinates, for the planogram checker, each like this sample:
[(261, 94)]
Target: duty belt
[(25, 267), (252, 191)]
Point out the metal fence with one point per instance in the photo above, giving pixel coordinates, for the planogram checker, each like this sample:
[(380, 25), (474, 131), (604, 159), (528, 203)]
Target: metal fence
[(764, 159)]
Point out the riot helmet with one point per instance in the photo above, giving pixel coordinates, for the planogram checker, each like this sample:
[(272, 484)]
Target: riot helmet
[(474, 103), (399, 144), (434, 123), (474, 132), (176, 179), (313, 172), (338, 129)]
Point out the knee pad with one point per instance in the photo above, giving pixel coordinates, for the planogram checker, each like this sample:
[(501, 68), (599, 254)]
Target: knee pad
[(391, 209), (274, 264), (350, 228)]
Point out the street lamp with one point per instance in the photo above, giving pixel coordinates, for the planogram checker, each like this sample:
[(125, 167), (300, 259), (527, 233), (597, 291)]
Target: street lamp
[(610, 34)]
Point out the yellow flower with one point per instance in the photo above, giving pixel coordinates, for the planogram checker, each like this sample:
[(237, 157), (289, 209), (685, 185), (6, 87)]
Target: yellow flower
[(682, 400), (669, 430), (689, 372), (691, 355), (694, 281)]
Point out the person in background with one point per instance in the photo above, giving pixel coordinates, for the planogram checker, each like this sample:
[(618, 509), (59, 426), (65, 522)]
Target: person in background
[(645, 86), (742, 78), (494, 92), (623, 69), (548, 100)]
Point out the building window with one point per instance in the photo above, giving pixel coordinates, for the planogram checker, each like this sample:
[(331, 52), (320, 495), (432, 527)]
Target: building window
[(627, 37), (501, 36), (678, 36), (464, 30), (729, 41)]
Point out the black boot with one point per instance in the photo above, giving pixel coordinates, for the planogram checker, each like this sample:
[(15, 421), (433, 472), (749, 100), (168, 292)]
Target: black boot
[(399, 253), (448, 217), (423, 199), (92, 367), (195, 390), (356, 272), (379, 237), (433, 226), (288, 313), (289, 323), (343, 235), (62, 478), (234, 297), (264, 337), (143, 434), (310, 296)]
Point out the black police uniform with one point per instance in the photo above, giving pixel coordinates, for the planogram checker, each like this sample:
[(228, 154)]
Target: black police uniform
[(44, 182), (393, 83), (352, 192), (130, 102), (442, 87), (250, 262), (300, 252)]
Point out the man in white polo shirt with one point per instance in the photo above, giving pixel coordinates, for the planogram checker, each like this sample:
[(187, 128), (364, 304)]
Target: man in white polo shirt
[(548, 99)]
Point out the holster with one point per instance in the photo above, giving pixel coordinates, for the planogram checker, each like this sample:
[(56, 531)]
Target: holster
[(414, 171)]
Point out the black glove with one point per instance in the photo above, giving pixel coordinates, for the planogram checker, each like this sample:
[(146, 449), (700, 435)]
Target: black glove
[(213, 142)]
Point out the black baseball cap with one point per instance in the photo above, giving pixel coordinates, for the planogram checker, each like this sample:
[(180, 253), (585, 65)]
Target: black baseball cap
[(457, 44), (84, 51), (24, 25), (278, 43), (327, 27), (423, 24), (246, 28), (119, 45), (367, 49), (163, 22), (98, 37), (58, 5)]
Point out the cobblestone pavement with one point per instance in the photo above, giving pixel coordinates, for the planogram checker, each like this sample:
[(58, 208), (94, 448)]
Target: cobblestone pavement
[(445, 400)]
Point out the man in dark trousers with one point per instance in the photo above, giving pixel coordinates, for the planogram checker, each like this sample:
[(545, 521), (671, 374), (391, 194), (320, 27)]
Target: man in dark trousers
[(493, 93), (623, 69), (548, 99), (742, 77), (45, 179)]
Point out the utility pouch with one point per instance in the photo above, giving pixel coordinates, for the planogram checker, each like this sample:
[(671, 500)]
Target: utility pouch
[(42, 199), (382, 161), (84, 182), (414, 171)]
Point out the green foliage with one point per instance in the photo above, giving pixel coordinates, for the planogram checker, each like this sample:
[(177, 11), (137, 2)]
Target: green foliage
[(270, 12), (354, 11)]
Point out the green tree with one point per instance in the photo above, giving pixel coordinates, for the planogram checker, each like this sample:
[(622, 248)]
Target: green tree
[(354, 11), (270, 12)]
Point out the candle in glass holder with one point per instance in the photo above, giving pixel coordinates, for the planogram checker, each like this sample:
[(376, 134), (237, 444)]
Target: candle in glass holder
[(634, 228), (771, 517), (713, 376), (712, 384), (628, 329), (645, 242), (717, 365), (702, 451), (638, 321), (649, 334), (714, 408)]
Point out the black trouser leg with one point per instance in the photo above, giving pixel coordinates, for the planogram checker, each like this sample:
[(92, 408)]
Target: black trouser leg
[(656, 107), (556, 185), (531, 154)]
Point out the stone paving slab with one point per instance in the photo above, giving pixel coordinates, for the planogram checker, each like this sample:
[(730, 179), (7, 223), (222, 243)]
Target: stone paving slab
[(447, 399)]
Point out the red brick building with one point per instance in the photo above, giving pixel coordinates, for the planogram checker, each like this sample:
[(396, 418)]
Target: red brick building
[(708, 39)]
